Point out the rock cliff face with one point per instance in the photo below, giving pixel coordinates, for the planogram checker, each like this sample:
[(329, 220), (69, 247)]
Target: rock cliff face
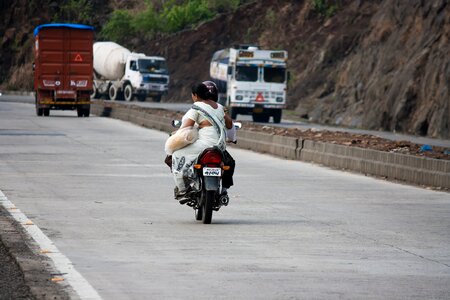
[(396, 75), (374, 64), (381, 64), (16, 43), (18, 18)]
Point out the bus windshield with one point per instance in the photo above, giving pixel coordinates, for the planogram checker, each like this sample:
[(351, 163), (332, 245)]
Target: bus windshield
[(246, 73), (276, 75), (152, 66)]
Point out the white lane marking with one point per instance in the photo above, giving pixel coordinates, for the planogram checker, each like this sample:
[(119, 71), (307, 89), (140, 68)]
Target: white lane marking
[(61, 262)]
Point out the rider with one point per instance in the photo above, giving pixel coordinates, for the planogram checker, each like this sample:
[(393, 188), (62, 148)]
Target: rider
[(212, 121)]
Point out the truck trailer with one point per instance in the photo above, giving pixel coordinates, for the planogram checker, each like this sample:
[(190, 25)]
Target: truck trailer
[(251, 81), (63, 67), (123, 75)]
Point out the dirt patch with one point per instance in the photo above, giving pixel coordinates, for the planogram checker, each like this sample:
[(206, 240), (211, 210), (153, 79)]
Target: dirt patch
[(354, 140)]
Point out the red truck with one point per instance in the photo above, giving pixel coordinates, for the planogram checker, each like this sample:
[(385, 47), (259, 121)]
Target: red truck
[(63, 68)]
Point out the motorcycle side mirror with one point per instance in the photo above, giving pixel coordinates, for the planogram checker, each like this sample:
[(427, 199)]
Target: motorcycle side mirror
[(176, 123), (237, 125)]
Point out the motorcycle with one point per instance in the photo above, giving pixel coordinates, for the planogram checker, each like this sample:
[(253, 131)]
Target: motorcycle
[(209, 167)]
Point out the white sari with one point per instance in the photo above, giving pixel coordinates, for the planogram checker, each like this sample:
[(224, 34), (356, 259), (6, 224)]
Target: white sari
[(208, 136)]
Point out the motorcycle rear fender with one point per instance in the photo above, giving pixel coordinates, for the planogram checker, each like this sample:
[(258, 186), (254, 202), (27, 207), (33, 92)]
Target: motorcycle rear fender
[(212, 183)]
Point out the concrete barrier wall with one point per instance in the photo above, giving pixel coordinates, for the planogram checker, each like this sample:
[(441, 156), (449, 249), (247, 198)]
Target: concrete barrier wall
[(266, 143), (135, 115), (407, 168)]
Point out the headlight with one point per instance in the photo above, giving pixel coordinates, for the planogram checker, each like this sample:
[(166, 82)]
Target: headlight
[(279, 99), (239, 97)]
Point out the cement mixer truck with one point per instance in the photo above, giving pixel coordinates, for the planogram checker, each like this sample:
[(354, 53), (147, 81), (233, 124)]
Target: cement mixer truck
[(251, 81), (123, 75)]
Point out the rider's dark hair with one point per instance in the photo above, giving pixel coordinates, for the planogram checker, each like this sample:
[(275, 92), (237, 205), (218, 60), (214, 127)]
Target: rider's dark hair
[(205, 91), (200, 90)]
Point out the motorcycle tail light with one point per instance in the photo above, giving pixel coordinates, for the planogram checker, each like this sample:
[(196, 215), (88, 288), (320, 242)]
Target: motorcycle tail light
[(211, 158)]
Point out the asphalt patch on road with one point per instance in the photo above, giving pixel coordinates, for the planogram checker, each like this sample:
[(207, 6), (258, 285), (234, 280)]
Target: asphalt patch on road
[(24, 272)]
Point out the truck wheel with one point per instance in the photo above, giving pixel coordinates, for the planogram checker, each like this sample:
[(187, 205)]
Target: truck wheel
[(233, 113), (46, 112), (119, 95), (39, 111), (157, 98), (128, 92), (262, 118), (80, 112), (256, 118), (106, 94), (86, 112), (95, 94), (277, 116), (141, 98), (265, 118), (113, 93)]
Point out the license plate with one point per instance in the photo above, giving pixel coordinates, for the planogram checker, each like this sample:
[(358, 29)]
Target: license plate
[(258, 110), (152, 87), (212, 171)]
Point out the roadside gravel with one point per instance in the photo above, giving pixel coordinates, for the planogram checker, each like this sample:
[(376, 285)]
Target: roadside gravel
[(24, 274), (12, 283)]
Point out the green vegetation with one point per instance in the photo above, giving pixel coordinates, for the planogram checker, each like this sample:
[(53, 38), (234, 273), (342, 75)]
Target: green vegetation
[(173, 16), (73, 11), (326, 8), (222, 6), (118, 27), (178, 17), (147, 22)]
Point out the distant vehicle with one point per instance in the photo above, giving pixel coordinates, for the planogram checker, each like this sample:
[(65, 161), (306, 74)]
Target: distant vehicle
[(251, 81), (122, 75), (63, 68)]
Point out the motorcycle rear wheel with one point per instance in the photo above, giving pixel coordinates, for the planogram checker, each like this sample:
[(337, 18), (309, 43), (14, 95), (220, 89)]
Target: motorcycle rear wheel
[(207, 206)]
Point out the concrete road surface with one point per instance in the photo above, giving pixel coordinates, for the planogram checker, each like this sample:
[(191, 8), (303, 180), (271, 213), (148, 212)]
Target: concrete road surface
[(99, 190)]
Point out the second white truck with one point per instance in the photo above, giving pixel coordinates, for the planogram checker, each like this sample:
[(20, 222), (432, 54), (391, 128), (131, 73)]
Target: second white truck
[(123, 75), (251, 81)]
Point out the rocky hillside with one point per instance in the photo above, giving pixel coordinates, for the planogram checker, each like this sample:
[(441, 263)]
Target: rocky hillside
[(381, 64)]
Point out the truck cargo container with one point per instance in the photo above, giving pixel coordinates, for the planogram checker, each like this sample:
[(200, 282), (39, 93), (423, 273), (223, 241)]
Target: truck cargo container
[(63, 67)]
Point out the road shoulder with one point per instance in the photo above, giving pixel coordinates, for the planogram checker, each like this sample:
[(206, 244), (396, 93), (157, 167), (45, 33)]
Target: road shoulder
[(26, 274)]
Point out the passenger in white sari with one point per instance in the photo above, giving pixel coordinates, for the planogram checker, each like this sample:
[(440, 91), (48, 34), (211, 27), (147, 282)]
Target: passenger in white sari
[(212, 121)]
